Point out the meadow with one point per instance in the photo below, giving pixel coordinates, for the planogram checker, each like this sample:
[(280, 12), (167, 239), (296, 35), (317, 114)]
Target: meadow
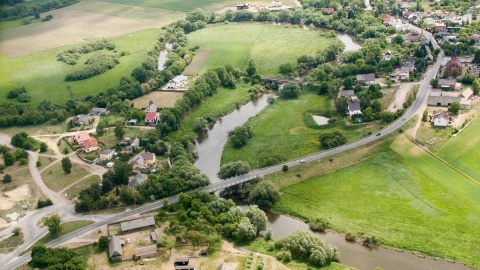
[(268, 45), (280, 130), (400, 194), (462, 152)]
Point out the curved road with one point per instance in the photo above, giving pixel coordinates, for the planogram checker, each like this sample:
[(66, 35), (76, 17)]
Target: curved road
[(13, 262)]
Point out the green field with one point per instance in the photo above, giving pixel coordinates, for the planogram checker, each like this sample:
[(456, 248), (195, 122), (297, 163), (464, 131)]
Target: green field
[(269, 45), (56, 179), (43, 76), (402, 195), (280, 130), (85, 183), (462, 151)]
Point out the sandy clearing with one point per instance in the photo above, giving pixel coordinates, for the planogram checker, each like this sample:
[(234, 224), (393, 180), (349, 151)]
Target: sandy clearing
[(160, 98), (400, 97), (3, 223), (5, 203), (19, 194)]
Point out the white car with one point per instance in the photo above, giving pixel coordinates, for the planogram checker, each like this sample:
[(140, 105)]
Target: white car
[(128, 240), (302, 160)]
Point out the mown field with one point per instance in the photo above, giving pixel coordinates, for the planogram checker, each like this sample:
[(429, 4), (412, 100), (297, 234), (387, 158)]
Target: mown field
[(400, 194), (462, 151), (43, 76), (280, 130), (268, 45)]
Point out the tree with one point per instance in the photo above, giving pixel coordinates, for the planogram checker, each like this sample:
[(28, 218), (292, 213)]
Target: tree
[(102, 242), (398, 39), (257, 218), (233, 169), (199, 124), (119, 130), (43, 147), (341, 105), (17, 231), (454, 107), (476, 87), (425, 116), (285, 69), (121, 172), (100, 130), (332, 139), (290, 90), (7, 178), (53, 224), (66, 165), (8, 159), (264, 194), (251, 69), (245, 230), (434, 82)]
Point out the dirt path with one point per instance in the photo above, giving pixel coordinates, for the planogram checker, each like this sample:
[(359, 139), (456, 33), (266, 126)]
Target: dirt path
[(37, 178), (400, 96)]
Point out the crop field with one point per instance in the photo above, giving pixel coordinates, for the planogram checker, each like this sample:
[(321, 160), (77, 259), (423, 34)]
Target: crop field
[(268, 45), (188, 5), (403, 196), (43, 76), (198, 62), (462, 151), (162, 99), (279, 130)]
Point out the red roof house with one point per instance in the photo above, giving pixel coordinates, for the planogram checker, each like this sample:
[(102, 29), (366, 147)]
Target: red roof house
[(152, 118), (81, 137), (90, 145)]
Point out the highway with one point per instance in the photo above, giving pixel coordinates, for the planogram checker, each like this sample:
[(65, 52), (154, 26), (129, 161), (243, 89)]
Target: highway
[(13, 262)]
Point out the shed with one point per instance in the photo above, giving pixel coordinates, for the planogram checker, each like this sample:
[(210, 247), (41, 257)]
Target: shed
[(181, 261), (185, 267), (132, 122), (348, 93), (145, 252), (137, 224), (153, 236), (99, 111)]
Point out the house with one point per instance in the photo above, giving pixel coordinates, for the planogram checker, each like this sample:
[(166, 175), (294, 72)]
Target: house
[(408, 67), (328, 11), (439, 27), (153, 237), (138, 179), (137, 225), (449, 84), (127, 150), (387, 56), (144, 160), (429, 21), (442, 101), (243, 6), (151, 108), (465, 104), (354, 107), (151, 118), (475, 37), (132, 122), (107, 154), (115, 251), (387, 18), (225, 266), (178, 83), (145, 252), (399, 75), (440, 118), (366, 78), (466, 94), (348, 93), (81, 137), (99, 111), (82, 119), (90, 145), (435, 92), (135, 143), (181, 261)]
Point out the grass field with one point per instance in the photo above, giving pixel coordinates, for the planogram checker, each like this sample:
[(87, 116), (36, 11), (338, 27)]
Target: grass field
[(43, 76), (198, 62), (269, 45), (279, 130), (218, 105), (85, 183), (402, 195), (111, 141), (462, 151), (56, 179), (67, 228)]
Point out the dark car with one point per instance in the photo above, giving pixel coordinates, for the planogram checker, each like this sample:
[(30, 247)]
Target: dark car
[(378, 134)]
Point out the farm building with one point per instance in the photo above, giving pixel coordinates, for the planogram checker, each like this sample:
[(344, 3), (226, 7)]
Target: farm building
[(448, 84), (442, 101), (115, 252), (132, 122), (243, 6), (145, 252), (348, 93), (153, 236), (440, 118), (181, 261), (225, 266), (82, 119), (185, 267), (137, 224), (365, 78), (99, 111)]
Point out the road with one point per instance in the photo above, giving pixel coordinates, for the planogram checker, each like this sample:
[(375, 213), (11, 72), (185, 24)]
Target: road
[(11, 262)]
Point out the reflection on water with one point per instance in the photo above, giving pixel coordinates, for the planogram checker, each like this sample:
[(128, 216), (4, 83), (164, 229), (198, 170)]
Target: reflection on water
[(162, 56)]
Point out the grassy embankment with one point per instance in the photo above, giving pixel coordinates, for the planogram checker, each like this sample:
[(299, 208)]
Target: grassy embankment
[(461, 151), (400, 194), (280, 130), (268, 45)]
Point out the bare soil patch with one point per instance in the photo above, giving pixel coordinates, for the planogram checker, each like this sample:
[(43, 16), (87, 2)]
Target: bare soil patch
[(159, 98), (198, 62), (19, 194)]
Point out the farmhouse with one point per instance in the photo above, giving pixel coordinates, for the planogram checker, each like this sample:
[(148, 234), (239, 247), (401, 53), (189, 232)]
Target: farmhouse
[(90, 145), (145, 252), (137, 225), (99, 111), (138, 179), (81, 137), (442, 101), (115, 248), (440, 118), (144, 160), (365, 78), (107, 154), (151, 118), (178, 83)]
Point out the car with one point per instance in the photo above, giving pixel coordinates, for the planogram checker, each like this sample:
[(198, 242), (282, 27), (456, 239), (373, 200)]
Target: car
[(302, 160), (378, 134), (128, 240)]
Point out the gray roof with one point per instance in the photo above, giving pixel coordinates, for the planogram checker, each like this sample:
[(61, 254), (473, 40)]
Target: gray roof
[(354, 105), (153, 235), (225, 266), (139, 160), (151, 108), (447, 82), (82, 118), (143, 251), (107, 151), (183, 259), (115, 246), (137, 224), (348, 93), (135, 142), (138, 179), (366, 77), (99, 110), (444, 100)]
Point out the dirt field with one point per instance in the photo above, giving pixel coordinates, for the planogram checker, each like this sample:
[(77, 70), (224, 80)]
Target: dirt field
[(160, 98), (81, 22), (198, 62)]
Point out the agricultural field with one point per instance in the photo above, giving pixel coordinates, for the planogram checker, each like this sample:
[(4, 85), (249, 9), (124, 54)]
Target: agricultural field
[(162, 99), (461, 151), (400, 194), (198, 62), (280, 131), (268, 45)]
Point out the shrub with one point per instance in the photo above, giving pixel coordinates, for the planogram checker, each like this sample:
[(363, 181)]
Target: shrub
[(351, 237), (7, 178), (97, 64), (38, 163), (16, 231), (370, 241), (45, 203), (24, 98), (285, 168), (15, 92), (318, 224), (23, 161)]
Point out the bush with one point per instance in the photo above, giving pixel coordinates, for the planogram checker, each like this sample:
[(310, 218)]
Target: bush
[(23, 161), (318, 224), (332, 139), (351, 237), (285, 168), (16, 231), (15, 92), (97, 64), (7, 178), (370, 241), (290, 90), (38, 163), (284, 256), (24, 98), (45, 203)]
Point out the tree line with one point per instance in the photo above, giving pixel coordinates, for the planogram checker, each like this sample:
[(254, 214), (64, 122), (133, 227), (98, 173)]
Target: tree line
[(16, 9)]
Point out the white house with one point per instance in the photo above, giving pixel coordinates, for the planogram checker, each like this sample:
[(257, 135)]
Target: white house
[(354, 106), (387, 56), (178, 83), (440, 118)]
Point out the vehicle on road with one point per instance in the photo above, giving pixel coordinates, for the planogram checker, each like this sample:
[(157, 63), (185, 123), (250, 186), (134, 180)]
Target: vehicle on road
[(302, 160), (378, 134)]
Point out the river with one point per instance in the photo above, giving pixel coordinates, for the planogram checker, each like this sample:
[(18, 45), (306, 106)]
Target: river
[(162, 56)]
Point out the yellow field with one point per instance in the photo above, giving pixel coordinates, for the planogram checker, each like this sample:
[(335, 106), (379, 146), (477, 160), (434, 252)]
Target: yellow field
[(160, 98)]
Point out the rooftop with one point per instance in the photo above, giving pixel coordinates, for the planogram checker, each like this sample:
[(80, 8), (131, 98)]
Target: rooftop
[(137, 224)]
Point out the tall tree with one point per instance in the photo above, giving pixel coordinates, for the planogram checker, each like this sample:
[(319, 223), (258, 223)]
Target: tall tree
[(53, 223), (119, 130), (66, 165), (264, 194)]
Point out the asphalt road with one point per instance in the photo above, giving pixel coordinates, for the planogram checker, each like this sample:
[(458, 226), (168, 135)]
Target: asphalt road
[(422, 95)]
